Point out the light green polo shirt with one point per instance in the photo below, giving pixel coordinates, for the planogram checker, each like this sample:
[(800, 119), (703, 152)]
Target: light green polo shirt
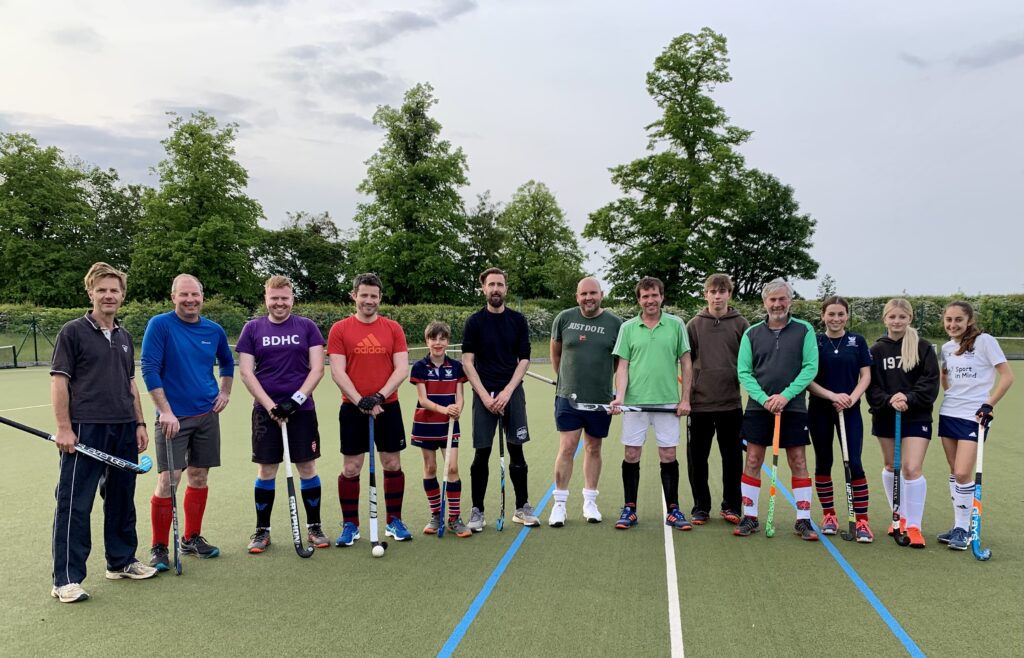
[(653, 356)]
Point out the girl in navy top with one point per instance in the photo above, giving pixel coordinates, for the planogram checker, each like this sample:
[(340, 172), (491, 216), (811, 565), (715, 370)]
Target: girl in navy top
[(844, 372)]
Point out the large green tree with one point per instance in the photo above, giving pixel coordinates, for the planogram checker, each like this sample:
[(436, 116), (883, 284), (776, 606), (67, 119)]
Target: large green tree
[(484, 236), (679, 201), (311, 251), (539, 250), (412, 230), (200, 221)]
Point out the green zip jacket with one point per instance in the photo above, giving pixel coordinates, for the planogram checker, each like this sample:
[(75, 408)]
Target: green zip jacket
[(771, 363)]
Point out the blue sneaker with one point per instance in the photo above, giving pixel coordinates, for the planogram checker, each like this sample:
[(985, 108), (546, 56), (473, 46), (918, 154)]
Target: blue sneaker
[(676, 519), (349, 534), (943, 537), (627, 519), (397, 530), (958, 539)]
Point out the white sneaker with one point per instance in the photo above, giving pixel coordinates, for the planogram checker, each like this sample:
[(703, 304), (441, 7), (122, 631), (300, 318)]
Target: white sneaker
[(69, 593), (526, 516), (590, 511), (557, 518), (134, 570)]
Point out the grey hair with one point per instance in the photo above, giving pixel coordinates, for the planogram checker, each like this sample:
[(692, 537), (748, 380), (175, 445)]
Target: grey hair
[(776, 284)]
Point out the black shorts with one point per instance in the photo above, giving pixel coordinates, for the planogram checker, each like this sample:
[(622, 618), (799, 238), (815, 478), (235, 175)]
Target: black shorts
[(514, 421), (758, 428), (884, 426), (303, 437), (388, 429)]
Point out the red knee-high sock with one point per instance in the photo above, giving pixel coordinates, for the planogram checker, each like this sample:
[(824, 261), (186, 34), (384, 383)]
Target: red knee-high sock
[(348, 496), (160, 517), (195, 507), (394, 492)]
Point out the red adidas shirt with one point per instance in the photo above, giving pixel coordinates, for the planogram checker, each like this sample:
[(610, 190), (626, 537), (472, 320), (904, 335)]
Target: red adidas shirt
[(368, 350)]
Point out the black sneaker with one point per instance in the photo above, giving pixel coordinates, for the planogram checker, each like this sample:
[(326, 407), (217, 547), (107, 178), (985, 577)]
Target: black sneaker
[(748, 525), (198, 546), (158, 558), (699, 517), (803, 528)]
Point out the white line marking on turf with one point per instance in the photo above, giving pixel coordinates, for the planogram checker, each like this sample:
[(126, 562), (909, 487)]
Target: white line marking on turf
[(34, 406), (675, 623)]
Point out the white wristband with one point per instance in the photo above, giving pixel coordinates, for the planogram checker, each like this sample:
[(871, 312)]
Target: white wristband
[(299, 397)]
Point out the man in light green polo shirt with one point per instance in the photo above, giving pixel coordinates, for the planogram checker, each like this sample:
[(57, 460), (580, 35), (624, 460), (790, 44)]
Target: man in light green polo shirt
[(649, 348)]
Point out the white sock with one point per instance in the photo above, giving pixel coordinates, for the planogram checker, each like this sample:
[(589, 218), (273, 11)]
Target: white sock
[(916, 492), (561, 495), (963, 499), (888, 477), (952, 489), (802, 495), (590, 495), (751, 492)]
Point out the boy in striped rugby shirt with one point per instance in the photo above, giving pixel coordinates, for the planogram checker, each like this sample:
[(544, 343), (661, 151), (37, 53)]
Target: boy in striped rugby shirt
[(439, 382)]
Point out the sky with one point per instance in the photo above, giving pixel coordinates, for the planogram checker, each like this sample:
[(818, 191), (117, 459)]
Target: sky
[(900, 126)]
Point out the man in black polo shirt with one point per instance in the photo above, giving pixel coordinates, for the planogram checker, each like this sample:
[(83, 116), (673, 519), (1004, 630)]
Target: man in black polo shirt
[(95, 402), (495, 356)]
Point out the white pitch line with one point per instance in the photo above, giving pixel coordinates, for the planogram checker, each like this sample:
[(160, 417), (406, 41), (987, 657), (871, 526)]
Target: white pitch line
[(35, 406), (675, 623)]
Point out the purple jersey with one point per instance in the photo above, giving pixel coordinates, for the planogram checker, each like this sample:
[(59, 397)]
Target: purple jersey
[(282, 354)]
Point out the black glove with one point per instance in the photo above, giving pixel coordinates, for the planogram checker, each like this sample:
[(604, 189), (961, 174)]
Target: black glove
[(368, 402), (985, 415), (284, 410)]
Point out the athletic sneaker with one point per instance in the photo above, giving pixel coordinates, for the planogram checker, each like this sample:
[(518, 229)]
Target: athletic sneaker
[(526, 516), (476, 520), (803, 528), (676, 519), (459, 528), (864, 535), (158, 558), (916, 538), (260, 540), (69, 593), (397, 530), (958, 539), (316, 536), (699, 517), (349, 534), (944, 537), (903, 527), (748, 525), (627, 519), (432, 525), (198, 546), (590, 511), (557, 517), (829, 524), (134, 570), (730, 515)]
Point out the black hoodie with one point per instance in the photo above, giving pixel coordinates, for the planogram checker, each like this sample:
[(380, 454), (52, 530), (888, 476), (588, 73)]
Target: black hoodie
[(920, 385)]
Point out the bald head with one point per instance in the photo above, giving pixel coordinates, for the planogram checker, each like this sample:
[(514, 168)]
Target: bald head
[(589, 296)]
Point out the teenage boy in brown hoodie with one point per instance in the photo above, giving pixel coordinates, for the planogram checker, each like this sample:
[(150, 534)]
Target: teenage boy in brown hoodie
[(715, 335)]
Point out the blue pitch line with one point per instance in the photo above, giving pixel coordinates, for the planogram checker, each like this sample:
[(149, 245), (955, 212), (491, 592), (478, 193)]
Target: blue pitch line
[(879, 607), (474, 608)]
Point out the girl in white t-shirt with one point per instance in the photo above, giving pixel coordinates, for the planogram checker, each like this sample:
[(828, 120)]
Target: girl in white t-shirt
[(975, 376)]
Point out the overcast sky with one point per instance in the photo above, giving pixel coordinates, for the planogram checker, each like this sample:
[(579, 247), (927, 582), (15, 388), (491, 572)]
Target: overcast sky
[(899, 125)]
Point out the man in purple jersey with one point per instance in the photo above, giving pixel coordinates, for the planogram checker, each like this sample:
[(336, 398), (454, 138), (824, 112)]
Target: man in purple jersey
[(281, 358)]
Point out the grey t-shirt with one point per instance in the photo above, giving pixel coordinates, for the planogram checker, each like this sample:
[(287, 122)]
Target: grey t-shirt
[(587, 365)]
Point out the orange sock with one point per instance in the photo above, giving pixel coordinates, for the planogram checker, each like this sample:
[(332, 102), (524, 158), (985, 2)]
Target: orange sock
[(195, 506)]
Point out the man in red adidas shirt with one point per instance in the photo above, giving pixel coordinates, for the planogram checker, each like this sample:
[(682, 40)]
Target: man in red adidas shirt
[(369, 360)]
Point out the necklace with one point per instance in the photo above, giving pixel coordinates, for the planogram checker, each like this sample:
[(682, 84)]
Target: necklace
[(835, 348)]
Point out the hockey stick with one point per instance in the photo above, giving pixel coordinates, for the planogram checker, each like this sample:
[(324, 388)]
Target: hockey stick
[(769, 530), (374, 543), (851, 517), (293, 509), (500, 525), (897, 531), (144, 465), (444, 481), (979, 552), (174, 504), (591, 406), (542, 378)]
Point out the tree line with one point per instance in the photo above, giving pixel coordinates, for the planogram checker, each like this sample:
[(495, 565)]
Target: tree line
[(688, 208)]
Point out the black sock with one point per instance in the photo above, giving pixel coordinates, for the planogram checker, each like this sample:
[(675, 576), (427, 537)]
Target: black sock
[(311, 492), (630, 481), (517, 473), (478, 473), (264, 495), (670, 482)]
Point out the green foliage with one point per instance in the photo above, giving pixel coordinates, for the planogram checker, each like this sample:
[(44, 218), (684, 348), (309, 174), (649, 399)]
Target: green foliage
[(311, 252), (827, 287), (200, 221), (484, 235), (412, 232)]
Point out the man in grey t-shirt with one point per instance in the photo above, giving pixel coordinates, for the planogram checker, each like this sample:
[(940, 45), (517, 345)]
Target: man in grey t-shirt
[(582, 339)]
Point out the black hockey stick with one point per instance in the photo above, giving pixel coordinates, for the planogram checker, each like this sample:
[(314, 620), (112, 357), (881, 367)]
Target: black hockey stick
[(293, 509), (174, 505), (374, 537), (144, 465), (591, 406), (851, 516)]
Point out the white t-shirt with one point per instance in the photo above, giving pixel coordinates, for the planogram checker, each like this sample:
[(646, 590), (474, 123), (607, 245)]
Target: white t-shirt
[(970, 375)]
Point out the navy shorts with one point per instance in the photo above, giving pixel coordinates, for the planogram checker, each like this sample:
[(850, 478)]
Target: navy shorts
[(303, 437), (593, 423), (388, 429), (759, 426), (885, 427), (435, 445), (958, 428)]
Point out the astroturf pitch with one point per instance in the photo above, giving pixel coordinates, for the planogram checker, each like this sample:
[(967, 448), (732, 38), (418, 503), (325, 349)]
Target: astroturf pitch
[(582, 590)]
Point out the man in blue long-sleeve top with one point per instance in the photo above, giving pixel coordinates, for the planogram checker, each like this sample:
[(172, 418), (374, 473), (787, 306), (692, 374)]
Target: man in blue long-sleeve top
[(178, 352)]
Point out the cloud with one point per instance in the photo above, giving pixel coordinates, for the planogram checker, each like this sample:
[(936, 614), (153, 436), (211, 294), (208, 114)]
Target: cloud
[(224, 107), (914, 60), (368, 86), (993, 53), (391, 24), (81, 38)]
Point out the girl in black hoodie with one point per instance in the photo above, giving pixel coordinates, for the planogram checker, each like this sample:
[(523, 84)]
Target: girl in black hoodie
[(904, 378)]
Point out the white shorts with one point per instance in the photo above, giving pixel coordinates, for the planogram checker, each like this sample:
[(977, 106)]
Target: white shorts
[(666, 428)]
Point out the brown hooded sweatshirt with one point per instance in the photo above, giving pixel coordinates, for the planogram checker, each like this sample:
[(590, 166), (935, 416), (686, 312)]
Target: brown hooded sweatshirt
[(714, 345)]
